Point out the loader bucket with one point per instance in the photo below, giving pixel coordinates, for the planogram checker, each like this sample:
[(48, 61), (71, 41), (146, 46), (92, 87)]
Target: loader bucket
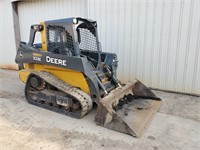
[(128, 109)]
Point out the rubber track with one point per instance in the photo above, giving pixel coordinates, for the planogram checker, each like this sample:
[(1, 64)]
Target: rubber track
[(81, 96)]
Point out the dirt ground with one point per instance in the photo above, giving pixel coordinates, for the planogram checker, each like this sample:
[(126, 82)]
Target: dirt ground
[(24, 126)]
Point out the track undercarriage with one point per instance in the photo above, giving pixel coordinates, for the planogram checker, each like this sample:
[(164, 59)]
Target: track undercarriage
[(45, 90)]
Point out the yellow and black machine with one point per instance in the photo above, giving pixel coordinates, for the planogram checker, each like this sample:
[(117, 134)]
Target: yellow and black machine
[(67, 72)]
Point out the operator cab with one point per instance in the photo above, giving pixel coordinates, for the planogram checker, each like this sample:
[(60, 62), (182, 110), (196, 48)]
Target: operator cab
[(73, 37)]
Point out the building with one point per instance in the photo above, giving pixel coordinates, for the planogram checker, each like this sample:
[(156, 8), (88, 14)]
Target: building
[(157, 41)]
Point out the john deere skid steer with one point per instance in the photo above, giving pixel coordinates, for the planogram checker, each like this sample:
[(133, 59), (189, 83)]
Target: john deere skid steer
[(67, 72)]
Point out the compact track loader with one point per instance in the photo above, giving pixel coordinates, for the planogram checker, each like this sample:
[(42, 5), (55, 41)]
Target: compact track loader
[(68, 72)]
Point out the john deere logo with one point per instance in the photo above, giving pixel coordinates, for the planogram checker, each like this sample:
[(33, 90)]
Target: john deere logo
[(21, 54), (56, 61)]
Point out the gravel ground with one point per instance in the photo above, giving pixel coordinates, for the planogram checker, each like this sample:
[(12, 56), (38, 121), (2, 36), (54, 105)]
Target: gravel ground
[(24, 126)]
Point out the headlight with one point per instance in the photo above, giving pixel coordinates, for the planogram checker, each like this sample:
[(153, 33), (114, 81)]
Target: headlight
[(75, 21)]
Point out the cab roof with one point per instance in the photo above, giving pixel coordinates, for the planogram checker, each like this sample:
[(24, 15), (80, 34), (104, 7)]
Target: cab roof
[(69, 20)]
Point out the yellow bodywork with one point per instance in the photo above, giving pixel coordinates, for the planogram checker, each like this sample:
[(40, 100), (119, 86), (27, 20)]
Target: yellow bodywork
[(71, 77), (44, 38)]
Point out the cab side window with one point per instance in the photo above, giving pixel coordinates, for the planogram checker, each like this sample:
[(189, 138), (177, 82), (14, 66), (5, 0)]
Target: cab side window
[(59, 40)]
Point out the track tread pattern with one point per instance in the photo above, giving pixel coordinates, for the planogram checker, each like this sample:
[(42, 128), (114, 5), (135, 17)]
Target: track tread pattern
[(84, 99)]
